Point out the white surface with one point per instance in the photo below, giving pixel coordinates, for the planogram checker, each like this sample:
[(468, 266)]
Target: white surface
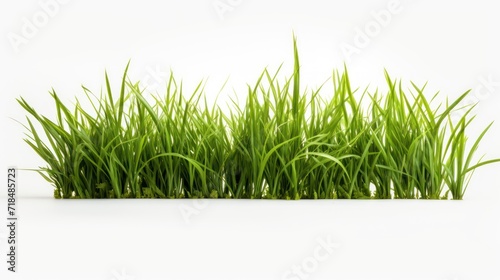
[(453, 45), (157, 239)]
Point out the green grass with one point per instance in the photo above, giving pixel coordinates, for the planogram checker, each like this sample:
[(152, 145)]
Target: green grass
[(283, 144)]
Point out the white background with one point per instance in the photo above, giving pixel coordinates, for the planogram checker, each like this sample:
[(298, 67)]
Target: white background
[(63, 44)]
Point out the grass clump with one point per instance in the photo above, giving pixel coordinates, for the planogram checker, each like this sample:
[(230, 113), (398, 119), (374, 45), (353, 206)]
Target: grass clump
[(283, 144)]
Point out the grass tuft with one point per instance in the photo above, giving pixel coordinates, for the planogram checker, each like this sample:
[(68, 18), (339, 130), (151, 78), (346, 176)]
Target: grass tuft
[(283, 144)]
